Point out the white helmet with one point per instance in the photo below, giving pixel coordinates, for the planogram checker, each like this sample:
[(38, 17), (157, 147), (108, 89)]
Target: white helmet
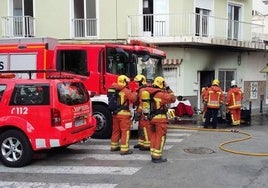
[(233, 83)]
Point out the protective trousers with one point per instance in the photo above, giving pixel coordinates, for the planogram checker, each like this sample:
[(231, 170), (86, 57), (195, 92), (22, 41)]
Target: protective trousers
[(120, 133), (144, 134), (235, 116), (158, 138), (211, 113)]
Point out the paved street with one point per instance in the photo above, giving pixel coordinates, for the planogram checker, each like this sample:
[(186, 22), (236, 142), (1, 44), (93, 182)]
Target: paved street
[(194, 160)]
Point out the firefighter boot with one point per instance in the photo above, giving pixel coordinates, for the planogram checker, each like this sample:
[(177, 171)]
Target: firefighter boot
[(137, 146), (115, 149), (126, 153), (161, 160)]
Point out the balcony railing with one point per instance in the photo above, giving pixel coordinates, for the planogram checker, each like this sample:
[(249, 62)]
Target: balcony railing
[(85, 28), (17, 26), (188, 24)]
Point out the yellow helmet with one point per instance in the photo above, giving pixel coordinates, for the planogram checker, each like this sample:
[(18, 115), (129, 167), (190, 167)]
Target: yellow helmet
[(216, 82), (140, 78), (122, 80), (159, 82)]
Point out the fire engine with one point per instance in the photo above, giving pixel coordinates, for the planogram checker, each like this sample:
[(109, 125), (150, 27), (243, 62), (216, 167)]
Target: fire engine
[(97, 64)]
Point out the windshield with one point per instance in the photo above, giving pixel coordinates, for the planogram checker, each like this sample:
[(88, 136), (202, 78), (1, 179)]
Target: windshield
[(131, 64), (150, 68), (72, 93)]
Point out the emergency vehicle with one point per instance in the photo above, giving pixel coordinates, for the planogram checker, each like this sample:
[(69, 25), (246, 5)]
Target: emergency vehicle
[(97, 64), (40, 114)]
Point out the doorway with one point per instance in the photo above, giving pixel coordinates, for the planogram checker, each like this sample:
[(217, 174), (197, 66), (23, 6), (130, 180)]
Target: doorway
[(205, 79)]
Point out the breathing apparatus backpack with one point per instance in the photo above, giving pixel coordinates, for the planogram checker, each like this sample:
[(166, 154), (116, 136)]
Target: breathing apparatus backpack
[(148, 103), (114, 103)]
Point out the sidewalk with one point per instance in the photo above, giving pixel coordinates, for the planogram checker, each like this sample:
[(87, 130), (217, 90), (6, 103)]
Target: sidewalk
[(196, 120)]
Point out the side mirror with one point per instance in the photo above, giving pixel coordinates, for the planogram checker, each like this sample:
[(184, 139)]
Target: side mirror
[(145, 58), (122, 52)]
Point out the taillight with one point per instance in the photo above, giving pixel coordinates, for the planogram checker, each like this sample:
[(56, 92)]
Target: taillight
[(55, 117)]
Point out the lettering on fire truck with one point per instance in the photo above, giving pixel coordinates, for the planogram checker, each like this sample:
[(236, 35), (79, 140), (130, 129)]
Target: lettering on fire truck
[(81, 108), (2, 65), (19, 110)]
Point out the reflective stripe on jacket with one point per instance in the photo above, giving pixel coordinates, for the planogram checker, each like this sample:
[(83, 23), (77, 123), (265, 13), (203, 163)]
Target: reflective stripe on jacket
[(213, 97), (234, 98)]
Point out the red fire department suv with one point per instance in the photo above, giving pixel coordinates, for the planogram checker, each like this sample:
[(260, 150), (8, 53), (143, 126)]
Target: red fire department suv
[(39, 114)]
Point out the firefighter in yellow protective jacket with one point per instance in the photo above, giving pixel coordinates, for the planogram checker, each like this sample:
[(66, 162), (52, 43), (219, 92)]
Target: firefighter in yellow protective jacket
[(154, 103), (121, 120), (144, 124), (234, 102), (213, 98)]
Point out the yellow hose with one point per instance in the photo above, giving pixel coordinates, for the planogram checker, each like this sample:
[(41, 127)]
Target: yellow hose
[(221, 146)]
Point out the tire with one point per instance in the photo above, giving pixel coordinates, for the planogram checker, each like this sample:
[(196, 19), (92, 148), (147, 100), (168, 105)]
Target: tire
[(104, 122), (15, 149)]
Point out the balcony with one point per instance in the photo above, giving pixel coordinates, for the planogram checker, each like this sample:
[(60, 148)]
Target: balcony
[(192, 29), (84, 28), (17, 26)]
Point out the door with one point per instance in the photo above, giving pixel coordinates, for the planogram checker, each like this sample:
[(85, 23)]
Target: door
[(22, 18), (155, 17), (234, 12), (148, 10), (205, 79), (202, 22), (85, 21), (169, 74)]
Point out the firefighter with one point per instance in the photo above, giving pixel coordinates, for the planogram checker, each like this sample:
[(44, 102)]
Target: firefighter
[(213, 99), (121, 119), (155, 111), (203, 91), (144, 124), (234, 102)]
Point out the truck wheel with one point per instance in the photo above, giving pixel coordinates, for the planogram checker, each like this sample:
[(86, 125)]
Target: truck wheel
[(16, 150), (104, 122)]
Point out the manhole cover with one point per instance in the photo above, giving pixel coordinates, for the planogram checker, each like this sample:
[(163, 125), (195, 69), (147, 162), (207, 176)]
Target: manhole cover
[(199, 150)]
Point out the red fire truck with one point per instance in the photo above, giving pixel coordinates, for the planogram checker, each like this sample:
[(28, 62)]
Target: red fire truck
[(97, 64)]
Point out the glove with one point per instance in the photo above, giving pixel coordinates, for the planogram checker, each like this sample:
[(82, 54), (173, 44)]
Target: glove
[(137, 116)]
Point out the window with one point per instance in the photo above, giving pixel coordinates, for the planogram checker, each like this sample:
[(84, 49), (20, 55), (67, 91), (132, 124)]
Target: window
[(225, 78), (202, 22), (30, 95), (119, 62), (72, 93), (150, 69), (2, 89), (73, 61), (233, 21), (22, 11), (85, 18)]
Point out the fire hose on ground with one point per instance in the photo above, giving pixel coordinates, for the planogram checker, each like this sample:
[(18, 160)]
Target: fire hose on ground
[(247, 136)]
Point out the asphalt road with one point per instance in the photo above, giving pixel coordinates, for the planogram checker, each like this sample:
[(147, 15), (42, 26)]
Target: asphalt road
[(194, 160)]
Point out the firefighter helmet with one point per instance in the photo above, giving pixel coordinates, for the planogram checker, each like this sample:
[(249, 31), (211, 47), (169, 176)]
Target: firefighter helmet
[(122, 80), (141, 79), (159, 82), (216, 82), (233, 83)]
